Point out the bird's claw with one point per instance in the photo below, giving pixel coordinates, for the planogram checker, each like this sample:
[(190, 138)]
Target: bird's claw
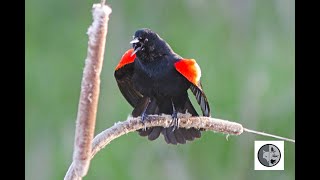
[(175, 121), (143, 119)]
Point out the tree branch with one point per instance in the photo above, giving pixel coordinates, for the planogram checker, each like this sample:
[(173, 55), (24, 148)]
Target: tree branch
[(134, 124), (90, 87)]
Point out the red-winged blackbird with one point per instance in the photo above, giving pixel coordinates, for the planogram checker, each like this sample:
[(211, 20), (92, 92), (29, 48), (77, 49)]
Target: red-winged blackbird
[(155, 80)]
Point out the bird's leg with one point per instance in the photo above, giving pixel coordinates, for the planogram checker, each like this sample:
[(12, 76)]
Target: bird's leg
[(144, 114), (175, 120)]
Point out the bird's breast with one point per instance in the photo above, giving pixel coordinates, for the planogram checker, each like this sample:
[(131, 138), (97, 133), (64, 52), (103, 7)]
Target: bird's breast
[(159, 79)]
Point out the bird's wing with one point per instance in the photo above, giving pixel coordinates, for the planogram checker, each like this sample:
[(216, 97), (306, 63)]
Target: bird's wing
[(192, 72), (123, 74)]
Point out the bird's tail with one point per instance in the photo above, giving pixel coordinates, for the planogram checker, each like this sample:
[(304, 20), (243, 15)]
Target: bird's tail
[(178, 136)]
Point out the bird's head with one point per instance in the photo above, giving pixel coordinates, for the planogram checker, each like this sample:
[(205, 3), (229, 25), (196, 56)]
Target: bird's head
[(149, 45)]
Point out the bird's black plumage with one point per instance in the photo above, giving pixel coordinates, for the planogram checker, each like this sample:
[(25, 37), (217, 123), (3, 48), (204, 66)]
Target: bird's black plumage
[(152, 84)]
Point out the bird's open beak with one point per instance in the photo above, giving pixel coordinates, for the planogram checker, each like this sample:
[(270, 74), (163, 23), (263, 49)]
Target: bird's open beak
[(135, 51), (134, 41)]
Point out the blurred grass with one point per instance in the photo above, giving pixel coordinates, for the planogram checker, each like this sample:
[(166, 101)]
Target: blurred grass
[(244, 48)]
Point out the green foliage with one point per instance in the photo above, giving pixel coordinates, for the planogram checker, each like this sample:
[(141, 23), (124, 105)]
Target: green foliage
[(246, 53)]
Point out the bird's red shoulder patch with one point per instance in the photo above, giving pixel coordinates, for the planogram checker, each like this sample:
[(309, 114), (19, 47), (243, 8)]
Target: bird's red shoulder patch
[(126, 59), (189, 69)]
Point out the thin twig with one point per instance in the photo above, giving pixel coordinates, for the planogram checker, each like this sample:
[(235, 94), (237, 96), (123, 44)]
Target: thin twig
[(269, 135), (90, 87)]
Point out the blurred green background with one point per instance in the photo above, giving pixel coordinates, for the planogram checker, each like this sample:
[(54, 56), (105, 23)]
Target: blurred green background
[(245, 50)]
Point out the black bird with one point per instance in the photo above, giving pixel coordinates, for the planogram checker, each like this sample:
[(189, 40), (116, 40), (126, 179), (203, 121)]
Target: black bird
[(155, 80)]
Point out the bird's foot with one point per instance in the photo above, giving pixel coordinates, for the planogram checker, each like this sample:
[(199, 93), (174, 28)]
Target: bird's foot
[(143, 118), (144, 115), (175, 121)]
